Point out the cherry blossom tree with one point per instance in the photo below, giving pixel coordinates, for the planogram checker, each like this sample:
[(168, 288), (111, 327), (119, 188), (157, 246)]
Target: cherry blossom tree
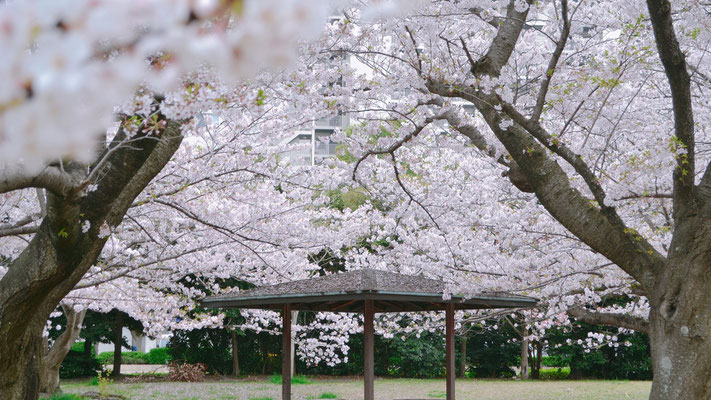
[(68, 66), (595, 113)]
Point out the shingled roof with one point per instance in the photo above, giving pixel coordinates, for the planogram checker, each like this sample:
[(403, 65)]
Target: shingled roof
[(391, 292)]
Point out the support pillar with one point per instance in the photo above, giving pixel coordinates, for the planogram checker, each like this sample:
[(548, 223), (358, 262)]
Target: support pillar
[(286, 352), (449, 348), (368, 350)]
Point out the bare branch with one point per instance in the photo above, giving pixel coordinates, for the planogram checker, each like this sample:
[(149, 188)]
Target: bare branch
[(611, 319)]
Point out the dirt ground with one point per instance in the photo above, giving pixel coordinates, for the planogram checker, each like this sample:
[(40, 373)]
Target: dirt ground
[(352, 388)]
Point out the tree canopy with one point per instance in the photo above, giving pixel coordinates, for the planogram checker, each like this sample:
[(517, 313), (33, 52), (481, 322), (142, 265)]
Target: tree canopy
[(556, 149)]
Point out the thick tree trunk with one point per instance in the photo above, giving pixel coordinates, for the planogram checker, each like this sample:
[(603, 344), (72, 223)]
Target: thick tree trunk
[(680, 318), (61, 252), (524, 359), (20, 377), (235, 355), (118, 341)]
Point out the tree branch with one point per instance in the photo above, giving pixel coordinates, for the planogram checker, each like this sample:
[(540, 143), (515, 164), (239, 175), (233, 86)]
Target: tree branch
[(543, 91), (52, 178), (64, 342), (503, 44), (611, 319), (674, 63)]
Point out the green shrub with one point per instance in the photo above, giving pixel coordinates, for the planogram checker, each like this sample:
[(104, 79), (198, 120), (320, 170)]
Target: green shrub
[(328, 395), (77, 365), (128, 357), (553, 361), (106, 357), (604, 362), (78, 346), (159, 356), (555, 374)]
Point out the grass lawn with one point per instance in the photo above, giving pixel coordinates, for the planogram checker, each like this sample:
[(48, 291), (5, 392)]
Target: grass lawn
[(352, 388)]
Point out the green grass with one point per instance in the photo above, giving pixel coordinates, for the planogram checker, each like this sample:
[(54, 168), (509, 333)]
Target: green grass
[(352, 388), (260, 398), (324, 395), (295, 380), (64, 396)]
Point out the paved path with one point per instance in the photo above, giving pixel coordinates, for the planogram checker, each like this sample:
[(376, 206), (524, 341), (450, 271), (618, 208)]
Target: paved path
[(140, 368)]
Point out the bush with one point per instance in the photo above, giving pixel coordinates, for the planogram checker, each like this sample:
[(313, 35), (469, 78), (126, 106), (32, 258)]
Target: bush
[(421, 357), (77, 365), (605, 362), (206, 346), (555, 374), (106, 357), (158, 355), (129, 357), (553, 361), (490, 352), (187, 372)]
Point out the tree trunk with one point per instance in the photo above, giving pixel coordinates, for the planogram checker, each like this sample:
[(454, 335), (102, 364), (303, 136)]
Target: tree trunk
[(680, 320), (265, 354), (88, 348), (462, 357), (235, 355), (19, 380), (535, 359), (52, 360), (524, 359), (118, 341), (576, 373), (60, 252)]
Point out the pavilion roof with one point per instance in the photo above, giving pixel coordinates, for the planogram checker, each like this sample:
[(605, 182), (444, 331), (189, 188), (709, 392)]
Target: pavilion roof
[(345, 292)]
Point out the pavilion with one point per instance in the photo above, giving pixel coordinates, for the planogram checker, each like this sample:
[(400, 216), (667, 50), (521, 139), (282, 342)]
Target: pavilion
[(364, 291)]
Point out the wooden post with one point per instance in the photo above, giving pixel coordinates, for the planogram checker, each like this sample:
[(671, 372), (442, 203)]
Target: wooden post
[(286, 352), (368, 349), (449, 323)]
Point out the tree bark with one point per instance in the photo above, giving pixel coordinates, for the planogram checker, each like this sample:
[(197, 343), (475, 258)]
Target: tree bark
[(680, 319), (118, 342), (235, 355), (462, 357), (524, 359), (535, 359), (88, 348), (52, 360)]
